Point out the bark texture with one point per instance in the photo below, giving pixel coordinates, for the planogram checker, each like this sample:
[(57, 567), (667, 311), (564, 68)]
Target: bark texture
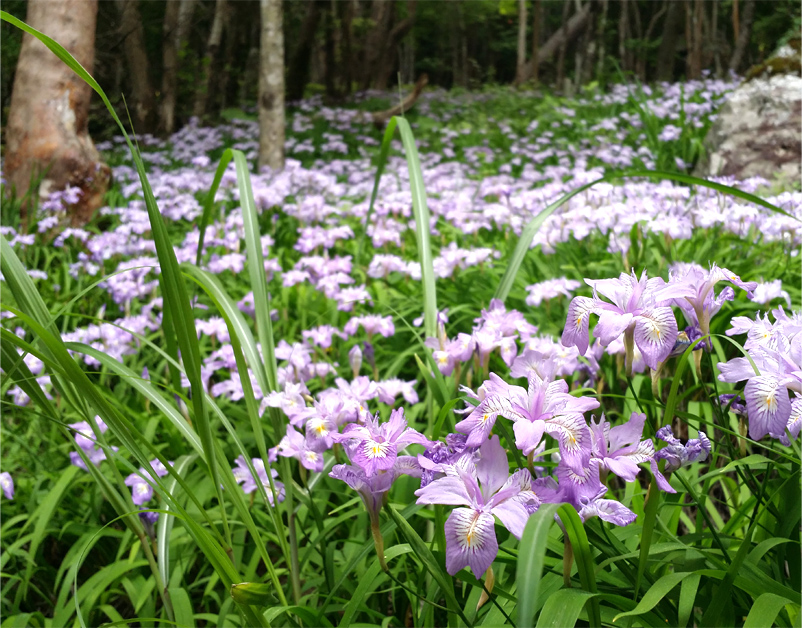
[(47, 139), (177, 20), (271, 86), (744, 34), (210, 59), (142, 103)]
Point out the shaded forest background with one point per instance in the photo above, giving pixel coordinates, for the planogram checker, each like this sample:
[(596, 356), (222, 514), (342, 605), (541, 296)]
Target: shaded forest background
[(203, 55)]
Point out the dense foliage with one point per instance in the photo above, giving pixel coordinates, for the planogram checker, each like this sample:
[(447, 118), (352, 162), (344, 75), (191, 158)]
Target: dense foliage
[(306, 431)]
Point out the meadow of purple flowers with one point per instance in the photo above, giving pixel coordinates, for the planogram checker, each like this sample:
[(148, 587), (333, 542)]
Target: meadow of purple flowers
[(615, 349)]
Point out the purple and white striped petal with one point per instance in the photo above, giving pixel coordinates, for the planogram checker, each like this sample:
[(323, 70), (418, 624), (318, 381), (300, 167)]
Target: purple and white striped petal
[(470, 541), (576, 332), (768, 406), (794, 422), (374, 456), (574, 438), (655, 335)]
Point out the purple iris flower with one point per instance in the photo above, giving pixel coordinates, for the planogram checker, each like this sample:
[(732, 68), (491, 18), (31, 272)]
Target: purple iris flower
[(620, 449), (294, 445), (141, 489), (635, 312), (736, 407), (372, 487), (439, 456), (483, 490), (7, 484), (691, 289), (242, 475), (545, 407), (678, 455), (84, 434), (374, 446)]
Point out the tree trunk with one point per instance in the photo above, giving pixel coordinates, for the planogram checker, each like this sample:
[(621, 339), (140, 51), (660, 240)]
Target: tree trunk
[(346, 53), (537, 26), (572, 29), (387, 62), (47, 136), (695, 44), (271, 86), (641, 63), (177, 21), (744, 34), (298, 72), (142, 102), (668, 43), (330, 69), (380, 15), (520, 69), (600, 34), (563, 46), (210, 59), (623, 35)]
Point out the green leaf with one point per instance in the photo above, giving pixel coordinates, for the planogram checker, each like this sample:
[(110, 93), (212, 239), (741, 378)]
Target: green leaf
[(656, 592), (531, 553), (562, 609), (765, 610), (368, 582), (182, 607), (575, 532), (425, 555), (649, 518)]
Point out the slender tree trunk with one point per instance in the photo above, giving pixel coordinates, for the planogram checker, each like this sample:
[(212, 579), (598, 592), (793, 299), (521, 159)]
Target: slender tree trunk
[(744, 35), (271, 86), (639, 53), (601, 35), (623, 35), (668, 43), (47, 139), (695, 39), (563, 36), (380, 15), (175, 34), (537, 26), (641, 63), (328, 53), (210, 59), (142, 103), (735, 20), (715, 42), (520, 69), (387, 65), (347, 53), (563, 46), (298, 72)]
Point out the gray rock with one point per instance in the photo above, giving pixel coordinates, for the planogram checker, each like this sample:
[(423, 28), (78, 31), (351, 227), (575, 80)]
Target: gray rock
[(758, 132)]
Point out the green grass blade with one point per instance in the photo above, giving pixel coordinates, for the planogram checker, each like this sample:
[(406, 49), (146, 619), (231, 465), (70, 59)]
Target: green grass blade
[(420, 210), (182, 605), (765, 610), (562, 609), (164, 526), (531, 554), (384, 151), (425, 555), (575, 532), (687, 598), (369, 582), (656, 593), (649, 518), (208, 203)]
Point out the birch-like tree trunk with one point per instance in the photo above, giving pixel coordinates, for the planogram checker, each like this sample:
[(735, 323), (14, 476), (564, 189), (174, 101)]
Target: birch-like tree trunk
[(47, 138), (271, 86)]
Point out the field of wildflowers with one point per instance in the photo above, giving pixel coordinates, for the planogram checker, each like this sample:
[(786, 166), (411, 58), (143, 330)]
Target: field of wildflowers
[(385, 387)]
